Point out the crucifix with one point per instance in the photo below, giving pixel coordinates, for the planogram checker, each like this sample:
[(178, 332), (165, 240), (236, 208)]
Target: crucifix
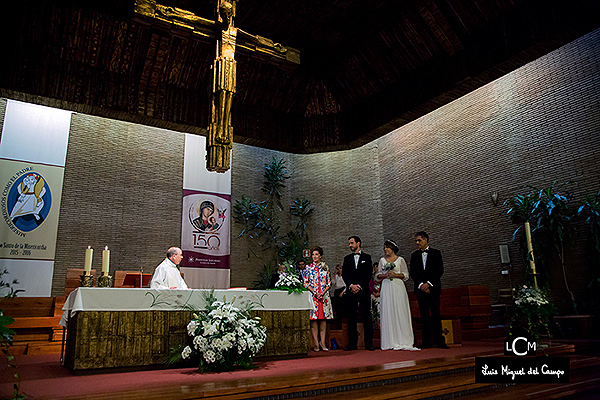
[(228, 38)]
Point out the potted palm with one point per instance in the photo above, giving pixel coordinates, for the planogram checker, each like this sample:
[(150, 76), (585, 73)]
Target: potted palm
[(547, 216)]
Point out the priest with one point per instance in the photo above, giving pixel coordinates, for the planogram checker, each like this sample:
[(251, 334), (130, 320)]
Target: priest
[(167, 275)]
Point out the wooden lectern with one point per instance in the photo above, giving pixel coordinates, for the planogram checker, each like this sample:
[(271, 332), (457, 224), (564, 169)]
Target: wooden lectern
[(132, 279)]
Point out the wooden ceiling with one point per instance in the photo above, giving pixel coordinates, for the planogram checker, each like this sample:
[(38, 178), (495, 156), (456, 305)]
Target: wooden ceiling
[(367, 67)]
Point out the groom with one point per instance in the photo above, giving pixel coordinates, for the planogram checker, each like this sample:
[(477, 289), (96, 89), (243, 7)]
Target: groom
[(356, 272), (426, 269)]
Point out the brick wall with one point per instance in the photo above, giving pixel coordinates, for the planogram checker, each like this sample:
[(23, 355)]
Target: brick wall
[(247, 171), (536, 125), (343, 187), (122, 189)]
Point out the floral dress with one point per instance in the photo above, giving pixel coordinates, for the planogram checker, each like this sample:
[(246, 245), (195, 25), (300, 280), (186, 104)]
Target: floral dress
[(317, 278)]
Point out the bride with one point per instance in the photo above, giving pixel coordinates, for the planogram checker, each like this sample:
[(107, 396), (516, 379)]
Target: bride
[(396, 324)]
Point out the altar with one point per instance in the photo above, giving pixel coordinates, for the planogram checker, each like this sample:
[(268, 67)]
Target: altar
[(117, 327)]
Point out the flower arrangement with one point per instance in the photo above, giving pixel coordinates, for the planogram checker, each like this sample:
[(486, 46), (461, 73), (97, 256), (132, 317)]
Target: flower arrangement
[(532, 305), (290, 280), (224, 337)]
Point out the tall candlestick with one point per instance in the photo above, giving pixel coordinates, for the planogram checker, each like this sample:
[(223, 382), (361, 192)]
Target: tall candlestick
[(87, 266), (105, 260)]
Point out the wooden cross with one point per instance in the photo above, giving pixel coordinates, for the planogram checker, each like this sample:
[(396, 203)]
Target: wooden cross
[(229, 38)]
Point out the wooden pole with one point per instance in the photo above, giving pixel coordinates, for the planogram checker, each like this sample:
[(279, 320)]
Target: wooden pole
[(530, 252)]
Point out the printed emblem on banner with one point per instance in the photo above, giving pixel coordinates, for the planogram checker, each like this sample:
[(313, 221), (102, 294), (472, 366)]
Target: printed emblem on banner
[(205, 230), (27, 202), (205, 216)]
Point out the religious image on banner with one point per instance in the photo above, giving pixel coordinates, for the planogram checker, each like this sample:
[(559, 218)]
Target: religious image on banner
[(205, 229), (29, 201), (30, 193), (209, 219)]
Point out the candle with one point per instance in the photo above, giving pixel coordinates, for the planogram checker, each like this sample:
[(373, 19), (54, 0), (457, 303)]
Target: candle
[(87, 266), (105, 260)]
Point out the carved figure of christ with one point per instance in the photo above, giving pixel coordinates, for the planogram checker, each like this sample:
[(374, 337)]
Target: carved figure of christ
[(220, 130)]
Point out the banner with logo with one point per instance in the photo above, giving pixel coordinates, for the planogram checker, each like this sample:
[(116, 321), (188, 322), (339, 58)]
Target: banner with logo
[(28, 197), (206, 220), (33, 149), (205, 233)]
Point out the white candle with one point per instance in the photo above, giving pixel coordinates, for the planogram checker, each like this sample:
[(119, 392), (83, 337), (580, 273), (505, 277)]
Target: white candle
[(105, 260), (87, 266)]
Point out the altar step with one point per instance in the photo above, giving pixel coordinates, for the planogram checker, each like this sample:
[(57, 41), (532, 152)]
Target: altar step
[(585, 383), (440, 378), (444, 377), (35, 347), (485, 333)]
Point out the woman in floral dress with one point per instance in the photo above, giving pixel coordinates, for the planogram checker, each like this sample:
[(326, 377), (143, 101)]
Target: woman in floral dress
[(318, 281)]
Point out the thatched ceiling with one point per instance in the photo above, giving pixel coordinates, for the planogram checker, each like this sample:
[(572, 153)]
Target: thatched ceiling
[(367, 67)]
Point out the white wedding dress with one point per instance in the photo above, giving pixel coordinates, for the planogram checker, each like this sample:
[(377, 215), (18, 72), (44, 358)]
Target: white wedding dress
[(396, 324)]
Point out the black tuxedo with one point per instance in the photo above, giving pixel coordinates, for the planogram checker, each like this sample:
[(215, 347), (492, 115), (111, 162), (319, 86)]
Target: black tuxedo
[(361, 301), (429, 303)]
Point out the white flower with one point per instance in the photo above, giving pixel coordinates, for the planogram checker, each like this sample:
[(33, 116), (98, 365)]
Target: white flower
[(531, 296), (224, 332), (186, 352), (191, 328), (288, 279), (199, 343), (209, 329), (209, 356)]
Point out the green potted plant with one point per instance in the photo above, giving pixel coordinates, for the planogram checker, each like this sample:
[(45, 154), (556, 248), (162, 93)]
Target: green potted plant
[(6, 334), (591, 211), (547, 212), (261, 222)]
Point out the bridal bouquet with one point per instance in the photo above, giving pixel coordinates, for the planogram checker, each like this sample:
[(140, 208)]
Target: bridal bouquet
[(290, 281), (389, 267), (224, 337)]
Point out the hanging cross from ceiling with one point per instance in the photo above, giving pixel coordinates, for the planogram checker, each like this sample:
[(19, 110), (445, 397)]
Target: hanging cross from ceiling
[(229, 38)]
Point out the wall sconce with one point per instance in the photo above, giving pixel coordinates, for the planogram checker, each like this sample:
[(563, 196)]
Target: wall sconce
[(494, 196)]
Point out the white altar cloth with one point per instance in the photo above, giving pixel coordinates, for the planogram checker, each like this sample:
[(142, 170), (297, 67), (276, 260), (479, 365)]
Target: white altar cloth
[(141, 299)]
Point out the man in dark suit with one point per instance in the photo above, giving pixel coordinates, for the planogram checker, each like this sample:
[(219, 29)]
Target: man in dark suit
[(426, 269), (356, 272)]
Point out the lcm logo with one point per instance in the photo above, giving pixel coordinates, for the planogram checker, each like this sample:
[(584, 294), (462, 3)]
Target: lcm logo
[(519, 346)]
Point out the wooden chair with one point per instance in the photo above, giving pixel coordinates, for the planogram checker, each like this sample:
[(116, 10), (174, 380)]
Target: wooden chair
[(506, 296)]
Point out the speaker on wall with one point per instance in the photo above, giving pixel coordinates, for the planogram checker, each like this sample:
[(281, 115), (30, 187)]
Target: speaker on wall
[(504, 257)]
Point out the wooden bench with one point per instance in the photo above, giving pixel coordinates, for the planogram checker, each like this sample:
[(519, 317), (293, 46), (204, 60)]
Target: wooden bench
[(36, 322), (578, 326), (466, 309)]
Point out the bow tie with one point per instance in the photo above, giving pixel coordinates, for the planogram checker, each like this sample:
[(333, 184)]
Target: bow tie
[(425, 251)]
